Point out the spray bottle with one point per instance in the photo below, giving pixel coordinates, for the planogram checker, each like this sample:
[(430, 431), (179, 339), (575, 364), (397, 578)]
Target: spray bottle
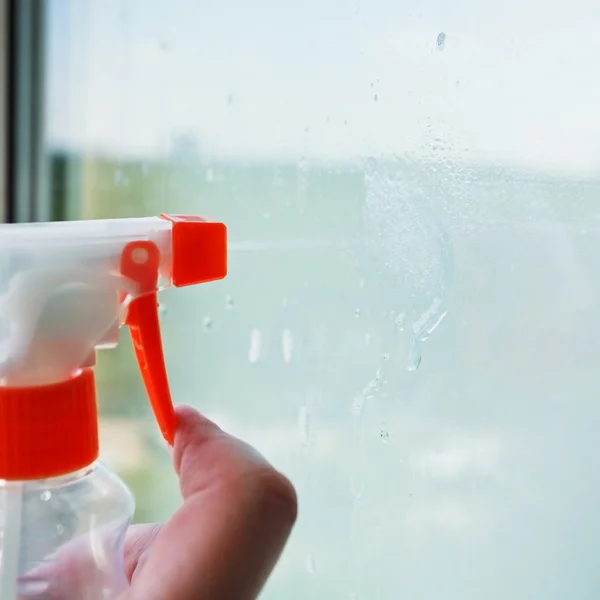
[(65, 290)]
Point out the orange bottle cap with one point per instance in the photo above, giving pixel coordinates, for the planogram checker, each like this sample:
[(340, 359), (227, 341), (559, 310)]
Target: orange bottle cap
[(49, 430)]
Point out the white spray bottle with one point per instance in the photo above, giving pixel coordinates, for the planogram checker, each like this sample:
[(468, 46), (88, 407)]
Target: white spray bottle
[(65, 289)]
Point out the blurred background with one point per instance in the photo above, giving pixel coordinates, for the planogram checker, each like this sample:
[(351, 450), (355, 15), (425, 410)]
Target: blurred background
[(409, 325)]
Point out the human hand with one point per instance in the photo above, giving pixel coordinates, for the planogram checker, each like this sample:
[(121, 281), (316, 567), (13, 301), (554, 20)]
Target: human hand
[(224, 541), (221, 544)]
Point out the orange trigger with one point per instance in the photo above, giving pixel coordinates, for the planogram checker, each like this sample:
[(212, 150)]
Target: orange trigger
[(140, 263)]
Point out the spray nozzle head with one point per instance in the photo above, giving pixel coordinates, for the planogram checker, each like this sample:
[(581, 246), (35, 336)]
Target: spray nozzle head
[(66, 288)]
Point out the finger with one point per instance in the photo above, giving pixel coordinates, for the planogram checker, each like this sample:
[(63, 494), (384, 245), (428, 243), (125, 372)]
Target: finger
[(137, 546), (237, 515), (89, 562)]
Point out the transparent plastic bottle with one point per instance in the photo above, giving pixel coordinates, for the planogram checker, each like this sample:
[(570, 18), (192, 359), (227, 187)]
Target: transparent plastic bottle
[(70, 532)]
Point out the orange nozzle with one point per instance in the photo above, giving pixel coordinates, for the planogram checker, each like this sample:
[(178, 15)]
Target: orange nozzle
[(199, 250), (199, 254)]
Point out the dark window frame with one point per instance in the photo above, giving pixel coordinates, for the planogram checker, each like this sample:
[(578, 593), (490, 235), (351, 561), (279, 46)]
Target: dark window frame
[(25, 164)]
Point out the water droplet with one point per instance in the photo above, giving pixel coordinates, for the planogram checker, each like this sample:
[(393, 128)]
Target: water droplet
[(370, 166), (229, 301), (255, 346), (376, 97), (357, 313), (304, 425), (46, 495), (162, 310), (60, 529), (385, 357), (207, 323), (367, 339), (310, 564), (441, 40), (230, 99), (384, 435), (266, 215), (287, 345)]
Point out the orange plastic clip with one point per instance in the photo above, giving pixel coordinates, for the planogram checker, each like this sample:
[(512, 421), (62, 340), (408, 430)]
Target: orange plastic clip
[(199, 255)]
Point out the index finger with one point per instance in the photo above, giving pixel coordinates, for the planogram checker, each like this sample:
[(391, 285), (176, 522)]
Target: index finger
[(237, 514)]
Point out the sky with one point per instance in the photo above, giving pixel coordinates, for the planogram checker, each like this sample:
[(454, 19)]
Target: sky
[(514, 83)]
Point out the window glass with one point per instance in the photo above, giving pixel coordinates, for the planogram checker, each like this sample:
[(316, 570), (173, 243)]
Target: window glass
[(408, 328)]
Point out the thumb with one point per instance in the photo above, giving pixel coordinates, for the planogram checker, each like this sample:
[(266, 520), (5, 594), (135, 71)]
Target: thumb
[(235, 520)]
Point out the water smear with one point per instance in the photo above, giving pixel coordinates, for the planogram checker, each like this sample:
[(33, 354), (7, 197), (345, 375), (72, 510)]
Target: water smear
[(422, 328), (373, 386), (255, 346), (358, 403), (412, 249), (400, 321), (414, 355), (287, 345), (310, 564), (304, 425)]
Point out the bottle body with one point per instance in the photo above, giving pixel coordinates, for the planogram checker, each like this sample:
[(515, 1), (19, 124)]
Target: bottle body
[(63, 538)]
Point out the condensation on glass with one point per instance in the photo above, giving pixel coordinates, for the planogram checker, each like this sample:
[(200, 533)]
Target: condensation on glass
[(411, 193)]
